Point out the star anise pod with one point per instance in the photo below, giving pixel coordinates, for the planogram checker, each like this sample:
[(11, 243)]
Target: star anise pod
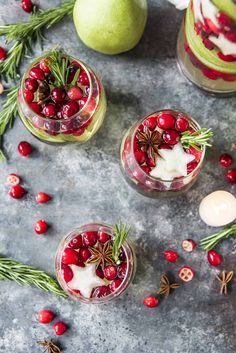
[(49, 346), (102, 254), (224, 278), (166, 286), (149, 141)]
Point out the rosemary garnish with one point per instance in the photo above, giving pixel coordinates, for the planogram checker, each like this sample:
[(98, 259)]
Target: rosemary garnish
[(224, 278), (149, 141), (196, 139), (166, 286), (49, 346), (24, 34), (101, 255), (121, 233), (210, 242), (59, 65), (27, 275)]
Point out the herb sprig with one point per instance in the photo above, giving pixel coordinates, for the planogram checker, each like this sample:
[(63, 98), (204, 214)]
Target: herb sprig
[(210, 242), (121, 233), (58, 64), (197, 139)]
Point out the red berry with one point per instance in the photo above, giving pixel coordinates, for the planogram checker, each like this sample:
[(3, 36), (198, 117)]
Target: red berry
[(227, 58), (49, 110), (45, 316), (37, 74), (231, 176), (29, 96), (103, 237), (150, 162), (67, 273), (110, 272), (69, 109), (150, 302), (42, 197), (36, 107), (59, 328), (31, 84), (3, 53), (70, 257), (150, 122), (146, 169), (171, 255), (214, 258), (83, 79), (89, 238), (84, 254), (101, 291), (188, 245), (13, 180), (40, 227), (99, 272), (76, 242), (164, 146), (171, 137), (83, 101), (115, 284), (43, 66), (140, 156), (225, 20), (211, 74), (191, 167), (75, 93), (25, 148), (226, 160), (165, 121), (121, 270), (181, 124), (17, 192), (27, 5), (231, 36), (186, 273), (197, 154), (58, 95)]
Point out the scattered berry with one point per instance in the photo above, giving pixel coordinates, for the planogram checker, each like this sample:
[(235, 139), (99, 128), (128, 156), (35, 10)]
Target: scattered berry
[(231, 176), (165, 121), (59, 328), (186, 273), (3, 54), (42, 197), (40, 227), (150, 302), (45, 316), (25, 148), (171, 255), (70, 257), (110, 272), (27, 5), (188, 245), (226, 160), (13, 179), (171, 137), (214, 258), (17, 192)]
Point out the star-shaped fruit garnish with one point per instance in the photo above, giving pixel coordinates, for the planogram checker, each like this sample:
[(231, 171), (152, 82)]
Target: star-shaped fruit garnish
[(102, 254), (149, 141)]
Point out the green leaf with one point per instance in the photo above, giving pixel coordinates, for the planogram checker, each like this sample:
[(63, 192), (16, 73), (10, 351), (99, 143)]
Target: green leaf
[(121, 233)]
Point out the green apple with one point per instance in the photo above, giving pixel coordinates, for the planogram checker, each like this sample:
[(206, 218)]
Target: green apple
[(110, 26)]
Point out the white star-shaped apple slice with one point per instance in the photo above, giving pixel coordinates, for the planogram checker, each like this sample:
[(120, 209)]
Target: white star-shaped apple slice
[(85, 279)]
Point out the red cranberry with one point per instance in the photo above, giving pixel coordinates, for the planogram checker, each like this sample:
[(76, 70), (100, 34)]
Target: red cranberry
[(75, 93), (209, 73), (101, 291), (49, 110), (43, 66), (29, 96), (45, 316), (227, 58), (17, 191), (58, 95), (69, 109), (171, 255), (37, 74), (181, 124), (67, 273), (27, 5), (70, 257), (110, 272), (13, 179), (140, 156), (150, 122), (165, 121), (121, 270), (36, 107), (171, 137), (25, 148), (59, 328), (83, 101), (226, 160), (40, 227), (150, 162), (191, 166), (115, 284), (83, 79), (231, 36), (231, 176), (3, 54), (31, 84), (150, 302), (146, 169), (186, 273), (89, 238), (225, 20), (188, 245), (214, 258), (197, 154), (164, 146), (42, 197), (76, 242), (103, 237), (84, 254), (99, 272), (208, 44)]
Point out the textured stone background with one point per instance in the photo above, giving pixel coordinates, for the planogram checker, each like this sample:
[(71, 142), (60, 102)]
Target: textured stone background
[(87, 186)]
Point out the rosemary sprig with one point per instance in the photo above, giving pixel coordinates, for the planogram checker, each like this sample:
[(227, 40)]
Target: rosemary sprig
[(49, 346), (26, 275), (25, 34), (121, 232), (8, 114), (197, 139), (58, 64), (210, 242)]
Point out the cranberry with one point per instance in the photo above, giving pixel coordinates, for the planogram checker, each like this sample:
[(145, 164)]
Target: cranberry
[(121, 270), (181, 124), (103, 237), (110, 272), (76, 242), (171, 255), (17, 192), (171, 137), (70, 257), (58, 95), (59, 328), (146, 169), (43, 66), (197, 154), (83, 79), (150, 302), (140, 156), (89, 238), (29, 96), (99, 272), (13, 179), (67, 273), (209, 73), (75, 93), (150, 162), (3, 53), (214, 258), (164, 146), (40, 227), (27, 5), (227, 58), (225, 20), (186, 273), (226, 160), (31, 84), (165, 121), (83, 101), (231, 176), (101, 291), (42, 197), (231, 36), (208, 44), (25, 148), (36, 107), (37, 74), (45, 316), (150, 122), (191, 167), (115, 284), (84, 254), (49, 110), (69, 109), (188, 245)]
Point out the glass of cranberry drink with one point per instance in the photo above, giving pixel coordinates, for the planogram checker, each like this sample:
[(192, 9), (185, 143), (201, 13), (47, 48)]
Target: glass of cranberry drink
[(156, 158), (61, 99), (207, 45), (86, 268)]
